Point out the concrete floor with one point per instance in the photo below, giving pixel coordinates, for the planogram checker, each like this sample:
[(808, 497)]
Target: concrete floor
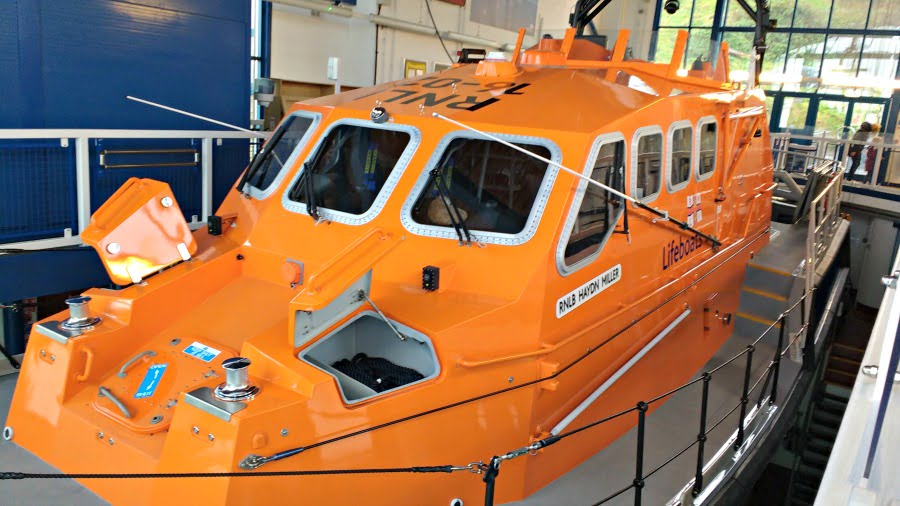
[(34, 492), (669, 429)]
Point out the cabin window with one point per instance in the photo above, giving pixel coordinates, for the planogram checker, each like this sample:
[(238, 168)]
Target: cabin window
[(599, 210), (707, 149), (680, 146), (492, 187), (278, 152), (349, 168), (647, 163)]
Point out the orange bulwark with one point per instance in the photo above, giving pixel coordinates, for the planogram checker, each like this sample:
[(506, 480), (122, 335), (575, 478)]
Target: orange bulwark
[(497, 286)]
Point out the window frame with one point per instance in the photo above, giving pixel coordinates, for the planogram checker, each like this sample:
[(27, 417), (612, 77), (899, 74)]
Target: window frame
[(260, 194), (705, 120), (415, 138), (677, 125), (563, 269), (448, 232), (635, 142)]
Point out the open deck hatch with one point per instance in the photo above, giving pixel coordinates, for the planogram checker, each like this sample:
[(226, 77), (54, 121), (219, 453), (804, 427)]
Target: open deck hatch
[(367, 333)]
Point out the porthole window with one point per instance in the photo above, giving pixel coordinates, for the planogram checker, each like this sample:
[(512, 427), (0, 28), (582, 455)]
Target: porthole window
[(646, 164), (680, 151), (706, 151)]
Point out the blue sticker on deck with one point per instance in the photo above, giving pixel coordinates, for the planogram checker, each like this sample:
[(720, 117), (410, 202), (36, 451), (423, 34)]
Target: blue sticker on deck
[(202, 351), (151, 381)]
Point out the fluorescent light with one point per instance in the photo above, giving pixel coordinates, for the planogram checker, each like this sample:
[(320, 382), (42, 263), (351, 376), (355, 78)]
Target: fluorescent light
[(317, 6), (399, 24)]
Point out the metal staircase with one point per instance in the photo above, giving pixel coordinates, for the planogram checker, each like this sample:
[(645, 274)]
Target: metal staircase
[(817, 438)]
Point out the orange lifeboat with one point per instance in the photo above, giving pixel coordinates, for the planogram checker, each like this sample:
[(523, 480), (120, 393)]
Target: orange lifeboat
[(422, 273)]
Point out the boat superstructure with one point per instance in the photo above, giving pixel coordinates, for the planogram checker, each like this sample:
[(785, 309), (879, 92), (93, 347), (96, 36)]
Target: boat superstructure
[(413, 274)]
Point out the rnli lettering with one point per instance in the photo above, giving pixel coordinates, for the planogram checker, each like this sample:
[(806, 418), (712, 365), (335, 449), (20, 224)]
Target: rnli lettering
[(457, 99), (587, 291), (674, 252)]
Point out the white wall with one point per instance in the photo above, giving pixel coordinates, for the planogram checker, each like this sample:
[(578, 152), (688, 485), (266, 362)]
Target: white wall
[(302, 43), (395, 45)]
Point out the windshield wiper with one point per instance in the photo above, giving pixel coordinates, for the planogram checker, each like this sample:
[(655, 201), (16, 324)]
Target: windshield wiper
[(308, 192), (453, 213)]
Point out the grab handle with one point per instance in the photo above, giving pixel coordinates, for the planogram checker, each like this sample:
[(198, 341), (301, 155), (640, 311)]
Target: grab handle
[(127, 365), (104, 392), (88, 361)]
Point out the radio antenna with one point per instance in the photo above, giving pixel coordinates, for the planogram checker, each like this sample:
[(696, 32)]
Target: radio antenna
[(192, 115)]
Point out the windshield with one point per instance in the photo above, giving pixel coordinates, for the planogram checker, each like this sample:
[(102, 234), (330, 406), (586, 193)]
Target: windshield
[(349, 168), (490, 187), (275, 153)]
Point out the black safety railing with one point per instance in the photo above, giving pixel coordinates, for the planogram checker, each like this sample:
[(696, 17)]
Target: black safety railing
[(491, 471), (769, 380)]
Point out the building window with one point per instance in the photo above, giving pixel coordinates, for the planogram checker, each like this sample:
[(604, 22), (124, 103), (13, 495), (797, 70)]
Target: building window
[(680, 147), (598, 210), (706, 152), (647, 163)]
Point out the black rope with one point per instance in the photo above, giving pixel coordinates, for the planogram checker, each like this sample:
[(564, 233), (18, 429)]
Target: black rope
[(90, 476), (614, 495)]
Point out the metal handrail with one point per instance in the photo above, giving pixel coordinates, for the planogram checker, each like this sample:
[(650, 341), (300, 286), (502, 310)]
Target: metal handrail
[(82, 180), (829, 148)]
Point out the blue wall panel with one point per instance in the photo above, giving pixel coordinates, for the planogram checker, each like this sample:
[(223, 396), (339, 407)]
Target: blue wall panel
[(69, 64), (77, 61)]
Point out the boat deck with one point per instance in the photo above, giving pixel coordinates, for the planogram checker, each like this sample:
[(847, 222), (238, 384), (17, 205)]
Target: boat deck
[(669, 428)]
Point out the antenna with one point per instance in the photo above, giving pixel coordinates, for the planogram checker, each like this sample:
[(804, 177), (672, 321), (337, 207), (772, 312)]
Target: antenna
[(192, 115)]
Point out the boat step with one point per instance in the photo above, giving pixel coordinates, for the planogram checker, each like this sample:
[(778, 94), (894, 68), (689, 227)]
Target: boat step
[(819, 446), (848, 351), (831, 407), (802, 489), (835, 397), (760, 304), (823, 433), (843, 364), (826, 420), (768, 279), (838, 378), (814, 460)]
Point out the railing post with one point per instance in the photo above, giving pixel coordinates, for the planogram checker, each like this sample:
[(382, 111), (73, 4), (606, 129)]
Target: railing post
[(809, 345), (744, 398), (639, 460), (876, 168), (777, 360), (83, 182), (701, 437), (206, 176)]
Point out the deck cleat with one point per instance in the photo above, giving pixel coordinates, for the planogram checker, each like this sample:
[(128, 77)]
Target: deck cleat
[(237, 385), (79, 318)]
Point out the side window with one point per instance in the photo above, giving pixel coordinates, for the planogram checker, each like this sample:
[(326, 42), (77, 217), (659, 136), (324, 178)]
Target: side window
[(707, 149), (647, 164), (680, 155), (270, 161), (599, 210)]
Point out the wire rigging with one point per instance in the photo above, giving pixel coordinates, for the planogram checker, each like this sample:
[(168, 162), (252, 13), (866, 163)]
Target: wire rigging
[(437, 32)]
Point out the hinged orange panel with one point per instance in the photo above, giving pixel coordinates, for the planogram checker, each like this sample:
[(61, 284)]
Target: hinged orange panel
[(139, 230)]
